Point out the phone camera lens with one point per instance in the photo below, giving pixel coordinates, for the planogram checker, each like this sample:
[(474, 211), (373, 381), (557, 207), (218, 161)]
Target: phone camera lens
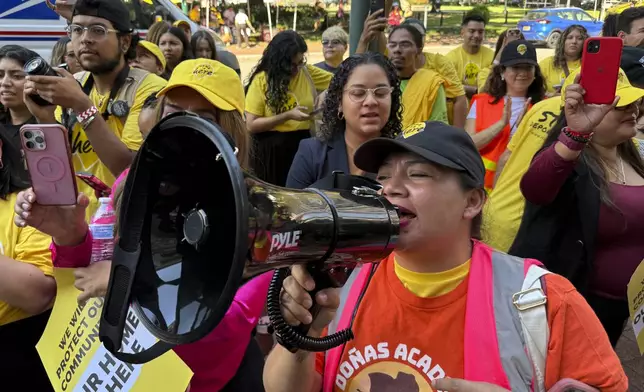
[(39, 139), (30, 145), (29, 135)]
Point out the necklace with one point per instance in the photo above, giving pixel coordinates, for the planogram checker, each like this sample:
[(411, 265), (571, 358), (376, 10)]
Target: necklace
[(621, 179)]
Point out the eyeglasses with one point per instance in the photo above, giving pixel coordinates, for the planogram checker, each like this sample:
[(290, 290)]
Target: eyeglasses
[(333, 42), (96, 31), (358, 94), (404, 45)]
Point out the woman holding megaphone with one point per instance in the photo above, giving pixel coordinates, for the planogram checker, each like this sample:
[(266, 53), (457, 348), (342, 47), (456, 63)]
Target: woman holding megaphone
[(444, 311), (214, 92)]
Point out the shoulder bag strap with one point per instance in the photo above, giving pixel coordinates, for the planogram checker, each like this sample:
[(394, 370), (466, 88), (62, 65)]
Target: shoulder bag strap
[(531, 305)]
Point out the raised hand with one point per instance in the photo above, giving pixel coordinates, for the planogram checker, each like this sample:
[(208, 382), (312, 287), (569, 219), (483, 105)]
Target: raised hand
[(582, 117)]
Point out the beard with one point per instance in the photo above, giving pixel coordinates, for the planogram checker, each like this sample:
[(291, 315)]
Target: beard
[(104, 67)]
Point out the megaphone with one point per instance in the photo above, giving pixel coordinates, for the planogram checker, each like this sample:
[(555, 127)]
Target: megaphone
[(229, 227)]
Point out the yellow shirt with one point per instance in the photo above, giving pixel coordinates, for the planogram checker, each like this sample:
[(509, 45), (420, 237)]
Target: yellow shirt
[(468, 65), (431, 284), (504, 208), (84, 157), (423, 98), (26, 245), (555, 76), (299, 94), (453, 84)]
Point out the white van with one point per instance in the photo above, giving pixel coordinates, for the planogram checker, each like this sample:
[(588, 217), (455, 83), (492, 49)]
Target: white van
[(32, 24)]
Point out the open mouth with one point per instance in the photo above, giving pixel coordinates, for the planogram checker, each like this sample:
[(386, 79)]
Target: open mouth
[(369, 115), (405, 215)]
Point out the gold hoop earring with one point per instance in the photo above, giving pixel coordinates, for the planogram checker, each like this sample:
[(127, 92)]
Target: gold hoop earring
[(340, 115)]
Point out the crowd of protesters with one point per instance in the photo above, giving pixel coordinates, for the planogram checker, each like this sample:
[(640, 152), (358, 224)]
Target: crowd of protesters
[(505, 180)]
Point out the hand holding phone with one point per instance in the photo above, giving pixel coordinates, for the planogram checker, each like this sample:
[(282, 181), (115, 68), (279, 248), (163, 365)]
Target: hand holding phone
[(600, 63), (49, 162)]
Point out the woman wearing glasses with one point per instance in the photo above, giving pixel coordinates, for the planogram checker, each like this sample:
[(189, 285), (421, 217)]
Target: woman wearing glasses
[(362, 103), (335, 42), (280, 98)]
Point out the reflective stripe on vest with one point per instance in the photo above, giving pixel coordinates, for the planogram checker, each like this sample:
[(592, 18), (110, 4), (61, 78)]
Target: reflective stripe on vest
[(492, 323)]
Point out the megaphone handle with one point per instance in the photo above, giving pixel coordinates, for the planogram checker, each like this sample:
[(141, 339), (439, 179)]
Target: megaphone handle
[(322, 281)]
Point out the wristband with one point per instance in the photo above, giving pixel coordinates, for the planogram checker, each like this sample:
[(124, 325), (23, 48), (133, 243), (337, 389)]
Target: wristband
[(83, 117), (88, 121), (574, 143), (577, 136)]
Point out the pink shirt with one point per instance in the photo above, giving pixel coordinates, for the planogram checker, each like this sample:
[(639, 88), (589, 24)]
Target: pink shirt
[(214, 359)]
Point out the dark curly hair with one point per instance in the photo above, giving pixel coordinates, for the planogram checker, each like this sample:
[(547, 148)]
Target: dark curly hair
[(277, 63), (559, 57), (332, 124)]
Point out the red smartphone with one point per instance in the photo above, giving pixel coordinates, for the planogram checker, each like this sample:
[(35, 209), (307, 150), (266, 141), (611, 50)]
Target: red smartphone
[(100, 188), (600, 69), (570, 385), (48, 159)]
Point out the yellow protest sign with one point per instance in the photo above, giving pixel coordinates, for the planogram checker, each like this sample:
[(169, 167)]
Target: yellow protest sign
[(76, 360), (636, 304)]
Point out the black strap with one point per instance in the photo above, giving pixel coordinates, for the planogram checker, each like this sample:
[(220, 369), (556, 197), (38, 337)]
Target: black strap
[(565, 68), (118, 83)]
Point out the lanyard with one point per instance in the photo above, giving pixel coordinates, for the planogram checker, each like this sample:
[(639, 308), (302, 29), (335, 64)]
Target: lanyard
[(118, 83)]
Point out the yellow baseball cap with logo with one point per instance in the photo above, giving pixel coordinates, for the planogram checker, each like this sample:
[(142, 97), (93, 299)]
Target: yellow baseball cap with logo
[(155, 50), (625, 91), (219, 84)]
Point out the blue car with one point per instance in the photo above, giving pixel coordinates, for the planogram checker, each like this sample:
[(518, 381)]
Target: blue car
[(545, 25)]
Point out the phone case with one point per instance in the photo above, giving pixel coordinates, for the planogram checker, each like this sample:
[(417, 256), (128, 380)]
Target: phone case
[(377, 5), (599, 71), (49, 163)]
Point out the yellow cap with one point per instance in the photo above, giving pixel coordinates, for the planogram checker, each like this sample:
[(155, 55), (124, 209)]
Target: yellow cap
[(216, 82), (180, 22), (155, 50), (625, 91)]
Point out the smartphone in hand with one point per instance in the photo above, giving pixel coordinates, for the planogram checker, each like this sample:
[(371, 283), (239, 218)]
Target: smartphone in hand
[(376, 5), (48, 159), (600, 62)]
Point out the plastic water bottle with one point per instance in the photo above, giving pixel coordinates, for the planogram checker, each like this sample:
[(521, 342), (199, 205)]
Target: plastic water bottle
[(102, 228)]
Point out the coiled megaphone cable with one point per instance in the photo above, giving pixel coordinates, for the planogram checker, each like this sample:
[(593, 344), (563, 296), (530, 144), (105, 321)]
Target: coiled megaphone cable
[(295, 338)]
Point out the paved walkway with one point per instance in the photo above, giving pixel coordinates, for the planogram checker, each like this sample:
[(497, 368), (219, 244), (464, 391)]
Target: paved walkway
[(632, 361)]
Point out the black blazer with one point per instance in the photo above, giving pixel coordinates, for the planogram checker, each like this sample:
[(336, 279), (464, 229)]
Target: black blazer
[(562, 233), (315, 160)]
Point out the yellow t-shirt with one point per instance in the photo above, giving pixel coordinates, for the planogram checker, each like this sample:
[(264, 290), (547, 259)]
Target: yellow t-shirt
[(431, 284), (299, 94), (453, 84), (84, 157), (468, 65), (504, 208), (555, 76), (26, 245)]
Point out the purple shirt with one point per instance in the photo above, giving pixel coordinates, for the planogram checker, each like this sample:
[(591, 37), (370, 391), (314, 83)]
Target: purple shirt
[(619, 247)]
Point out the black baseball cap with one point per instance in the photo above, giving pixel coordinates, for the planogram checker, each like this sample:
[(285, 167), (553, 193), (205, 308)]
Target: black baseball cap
[(518, 52), (434, 141), (113, 10), (633, 65)]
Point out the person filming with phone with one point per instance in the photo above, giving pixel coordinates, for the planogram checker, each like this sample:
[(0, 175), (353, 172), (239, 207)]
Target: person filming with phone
[(584, 216), (102, 111), (27, 287)]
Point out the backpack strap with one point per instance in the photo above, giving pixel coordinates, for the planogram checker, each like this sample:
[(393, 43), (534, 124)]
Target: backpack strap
[(530, 302)]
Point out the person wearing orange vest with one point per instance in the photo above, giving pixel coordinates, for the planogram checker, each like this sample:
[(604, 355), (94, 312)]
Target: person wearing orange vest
[(513, 86), (443, 311)]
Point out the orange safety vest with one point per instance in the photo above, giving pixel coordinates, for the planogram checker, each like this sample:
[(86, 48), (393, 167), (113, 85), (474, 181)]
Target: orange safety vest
[(487, 114)]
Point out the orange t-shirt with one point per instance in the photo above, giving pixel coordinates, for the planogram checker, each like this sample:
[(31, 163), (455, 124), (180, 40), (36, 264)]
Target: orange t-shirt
[(402, 341)]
